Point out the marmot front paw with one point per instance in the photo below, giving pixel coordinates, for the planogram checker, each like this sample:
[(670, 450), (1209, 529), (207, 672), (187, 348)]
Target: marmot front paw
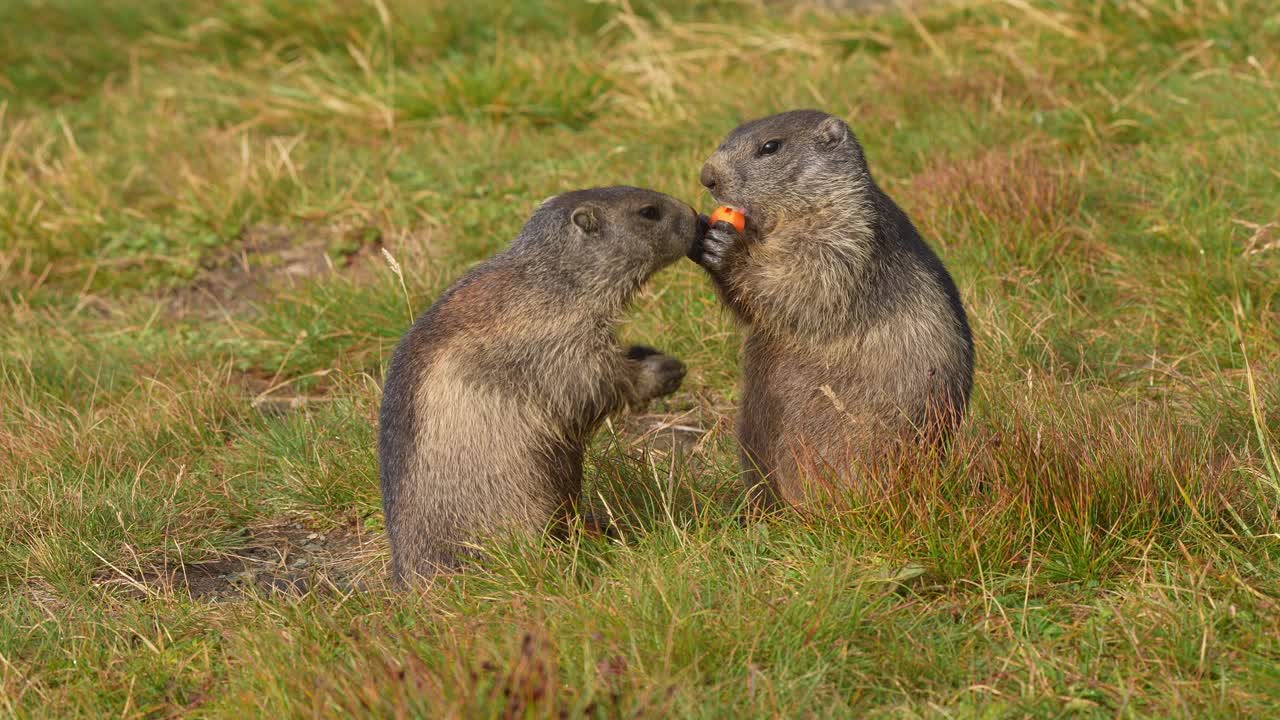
[(660, 374), (716, 244)]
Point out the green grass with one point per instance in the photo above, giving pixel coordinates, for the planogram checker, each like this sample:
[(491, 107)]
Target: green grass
[(197, 314)]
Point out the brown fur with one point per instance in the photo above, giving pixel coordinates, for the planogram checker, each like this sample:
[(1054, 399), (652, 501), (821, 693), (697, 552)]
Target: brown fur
[(857, 344), (495, 391)]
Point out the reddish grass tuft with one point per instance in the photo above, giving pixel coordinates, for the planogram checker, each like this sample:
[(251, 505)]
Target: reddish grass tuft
[(1031, 189), (1063, 474)]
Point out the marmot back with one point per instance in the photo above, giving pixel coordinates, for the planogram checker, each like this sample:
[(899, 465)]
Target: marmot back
[(493, 394), (857, 340)]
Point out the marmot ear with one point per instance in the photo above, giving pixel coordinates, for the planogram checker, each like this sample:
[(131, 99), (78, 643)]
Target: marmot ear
[(587, 218), (832, 131)]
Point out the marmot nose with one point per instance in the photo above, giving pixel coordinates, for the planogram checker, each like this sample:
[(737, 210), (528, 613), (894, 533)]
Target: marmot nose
[(708, 177)]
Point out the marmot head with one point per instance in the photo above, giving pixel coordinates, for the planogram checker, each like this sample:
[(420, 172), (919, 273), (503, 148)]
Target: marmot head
[(603, 243), (789, 164)]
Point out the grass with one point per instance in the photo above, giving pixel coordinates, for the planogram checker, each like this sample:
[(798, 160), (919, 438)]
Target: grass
[(195, 201)]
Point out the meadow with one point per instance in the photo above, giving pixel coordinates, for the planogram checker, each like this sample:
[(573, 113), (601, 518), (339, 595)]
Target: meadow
[(217, 219)]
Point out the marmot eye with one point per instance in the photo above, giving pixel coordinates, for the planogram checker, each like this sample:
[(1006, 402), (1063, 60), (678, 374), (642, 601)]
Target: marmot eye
[(650, 212), (769, 148)]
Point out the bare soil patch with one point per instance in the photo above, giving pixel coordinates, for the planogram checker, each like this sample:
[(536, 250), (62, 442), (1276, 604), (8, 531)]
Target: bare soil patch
[(285, 558), (269, 258)]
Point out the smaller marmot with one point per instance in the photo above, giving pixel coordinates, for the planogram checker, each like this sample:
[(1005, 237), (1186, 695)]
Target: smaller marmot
[(857, 345), (494, 393)]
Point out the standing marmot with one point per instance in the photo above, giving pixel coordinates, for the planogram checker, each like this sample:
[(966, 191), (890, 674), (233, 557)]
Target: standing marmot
[(856, 337), (495, 391)]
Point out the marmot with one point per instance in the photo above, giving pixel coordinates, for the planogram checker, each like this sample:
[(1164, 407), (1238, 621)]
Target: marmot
[(856, 339), (492, 395)]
